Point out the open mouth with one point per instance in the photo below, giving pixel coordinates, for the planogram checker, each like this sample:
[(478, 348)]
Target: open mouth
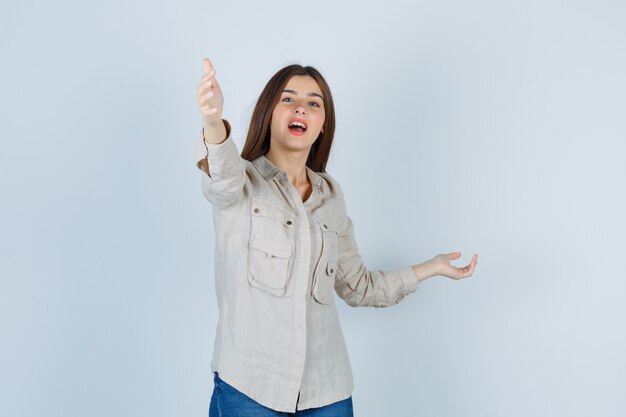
[(297, 126)]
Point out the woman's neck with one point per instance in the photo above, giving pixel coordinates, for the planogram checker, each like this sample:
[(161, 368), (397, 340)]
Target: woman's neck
[(294, 164)]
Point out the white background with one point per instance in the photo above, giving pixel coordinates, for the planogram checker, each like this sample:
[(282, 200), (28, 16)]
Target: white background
[(483, 127)]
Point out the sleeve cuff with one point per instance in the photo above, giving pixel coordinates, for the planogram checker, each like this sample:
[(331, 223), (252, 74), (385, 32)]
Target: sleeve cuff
[(203, 148), (409, 280)]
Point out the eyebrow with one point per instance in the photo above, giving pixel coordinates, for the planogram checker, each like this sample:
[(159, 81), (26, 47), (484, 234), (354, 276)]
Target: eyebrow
[(308, 94)]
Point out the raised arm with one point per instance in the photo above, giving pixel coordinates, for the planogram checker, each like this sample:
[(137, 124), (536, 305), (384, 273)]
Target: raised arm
[(216, 154)]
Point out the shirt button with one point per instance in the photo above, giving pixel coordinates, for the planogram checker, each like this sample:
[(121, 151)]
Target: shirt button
[(256, 210), (325, 227), (289, 222)]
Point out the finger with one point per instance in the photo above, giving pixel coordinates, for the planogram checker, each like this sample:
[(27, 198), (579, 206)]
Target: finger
[(454, 255), (206, 63), (470, 268), (205, 86), (207, 96), (209, 76), (207, 108), (204, 99), (473, 262), (202, 96)]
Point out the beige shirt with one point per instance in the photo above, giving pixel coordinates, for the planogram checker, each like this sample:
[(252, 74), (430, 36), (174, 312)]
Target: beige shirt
[(277, 261)]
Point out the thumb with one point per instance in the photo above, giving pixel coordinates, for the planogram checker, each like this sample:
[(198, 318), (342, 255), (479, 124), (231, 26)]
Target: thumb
[(454, 255), (207, 65)]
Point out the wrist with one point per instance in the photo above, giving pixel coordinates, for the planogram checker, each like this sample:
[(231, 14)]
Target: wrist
[(215, 132), (424, 270)]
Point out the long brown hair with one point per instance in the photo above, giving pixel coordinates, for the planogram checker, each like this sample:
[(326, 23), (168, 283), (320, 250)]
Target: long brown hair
[(258, 139)]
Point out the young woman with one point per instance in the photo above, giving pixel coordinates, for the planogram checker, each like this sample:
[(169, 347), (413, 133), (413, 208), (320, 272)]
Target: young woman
[(284, 245)]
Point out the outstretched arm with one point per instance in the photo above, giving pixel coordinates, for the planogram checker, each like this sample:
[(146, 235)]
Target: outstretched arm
[(360, 287), (223, 169)]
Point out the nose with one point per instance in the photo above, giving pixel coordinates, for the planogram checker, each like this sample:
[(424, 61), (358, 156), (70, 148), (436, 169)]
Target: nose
[(300, 109)]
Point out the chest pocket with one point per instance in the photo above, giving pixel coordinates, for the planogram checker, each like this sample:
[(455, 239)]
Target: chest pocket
[(326, 268), (271, 251)]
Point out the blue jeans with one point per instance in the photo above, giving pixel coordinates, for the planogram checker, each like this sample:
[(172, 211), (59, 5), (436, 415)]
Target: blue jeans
[(227, 401)]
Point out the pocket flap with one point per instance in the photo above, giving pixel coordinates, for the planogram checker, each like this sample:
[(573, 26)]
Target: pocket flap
[(271, 246)]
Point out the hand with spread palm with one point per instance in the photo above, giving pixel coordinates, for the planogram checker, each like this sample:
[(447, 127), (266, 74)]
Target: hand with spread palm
[(440, 265)]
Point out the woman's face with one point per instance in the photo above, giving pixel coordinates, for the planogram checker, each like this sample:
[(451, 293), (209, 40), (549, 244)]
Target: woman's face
[(301, 100)]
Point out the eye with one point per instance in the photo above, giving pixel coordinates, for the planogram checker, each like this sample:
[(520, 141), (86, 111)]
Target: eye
[(287, 98), (316, 105)]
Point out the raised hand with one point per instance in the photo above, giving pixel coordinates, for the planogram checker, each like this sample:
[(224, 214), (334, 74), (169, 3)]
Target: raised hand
[(441, 266), (209, 97)]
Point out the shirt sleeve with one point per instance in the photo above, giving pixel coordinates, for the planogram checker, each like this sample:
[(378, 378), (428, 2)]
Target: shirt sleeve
[(226, 170), (360, 287)]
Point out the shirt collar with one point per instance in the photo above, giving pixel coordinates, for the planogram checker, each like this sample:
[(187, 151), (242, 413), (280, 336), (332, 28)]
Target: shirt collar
[(268, 170)]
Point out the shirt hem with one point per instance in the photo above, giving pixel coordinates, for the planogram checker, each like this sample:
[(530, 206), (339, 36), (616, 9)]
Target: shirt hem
[(244, 390), (324, 401)]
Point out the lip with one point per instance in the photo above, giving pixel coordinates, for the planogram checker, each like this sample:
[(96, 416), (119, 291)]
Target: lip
[(297, 119), (295, 132)]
